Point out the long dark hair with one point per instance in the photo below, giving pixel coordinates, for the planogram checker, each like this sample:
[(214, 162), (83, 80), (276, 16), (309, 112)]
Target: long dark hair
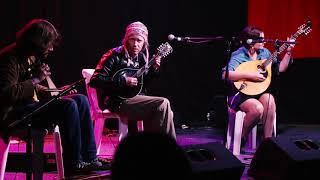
[(38, 34)]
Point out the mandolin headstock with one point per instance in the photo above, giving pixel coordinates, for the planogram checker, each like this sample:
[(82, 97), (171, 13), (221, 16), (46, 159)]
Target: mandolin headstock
[(164, 49)]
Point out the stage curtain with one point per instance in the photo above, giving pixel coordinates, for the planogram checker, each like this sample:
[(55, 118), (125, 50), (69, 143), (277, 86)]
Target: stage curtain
[(280, 19)]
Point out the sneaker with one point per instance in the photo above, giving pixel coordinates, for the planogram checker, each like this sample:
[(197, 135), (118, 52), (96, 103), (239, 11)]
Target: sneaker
[(102, 164), (105, 161), (94, 165), (183, 126), (84, 167), (78, 169)]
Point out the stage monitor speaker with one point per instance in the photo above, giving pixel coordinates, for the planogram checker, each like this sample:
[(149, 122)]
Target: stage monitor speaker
[(213, 161), (286, 158)]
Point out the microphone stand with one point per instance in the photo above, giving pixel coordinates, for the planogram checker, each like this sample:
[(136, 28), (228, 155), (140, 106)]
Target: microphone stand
[(228, 56), (229, 43), (215, 38), (27, 119), (278, 42), (203, 39)]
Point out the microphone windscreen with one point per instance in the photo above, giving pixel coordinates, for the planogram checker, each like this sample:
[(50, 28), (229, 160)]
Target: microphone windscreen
[(171, 37), (249, 41)]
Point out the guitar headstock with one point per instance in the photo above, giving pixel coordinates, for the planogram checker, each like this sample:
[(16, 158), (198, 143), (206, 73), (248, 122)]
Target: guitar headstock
[(164, 49), (305, 28)]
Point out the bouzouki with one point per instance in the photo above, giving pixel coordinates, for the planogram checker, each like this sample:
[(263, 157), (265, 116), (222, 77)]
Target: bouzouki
[(264, 66), (129, 92)]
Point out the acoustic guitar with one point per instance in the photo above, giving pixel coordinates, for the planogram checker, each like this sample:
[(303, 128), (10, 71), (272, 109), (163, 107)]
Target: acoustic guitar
[(264, 66), (128, 92)]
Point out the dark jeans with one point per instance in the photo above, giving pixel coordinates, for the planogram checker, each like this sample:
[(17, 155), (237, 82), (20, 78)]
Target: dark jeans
[(72, 114)]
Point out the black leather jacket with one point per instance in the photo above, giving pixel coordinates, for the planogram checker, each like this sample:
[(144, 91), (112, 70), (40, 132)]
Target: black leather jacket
[(112, 61)]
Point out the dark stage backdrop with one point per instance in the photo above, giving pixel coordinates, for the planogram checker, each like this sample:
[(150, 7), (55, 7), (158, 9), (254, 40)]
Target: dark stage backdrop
[(190, 76)]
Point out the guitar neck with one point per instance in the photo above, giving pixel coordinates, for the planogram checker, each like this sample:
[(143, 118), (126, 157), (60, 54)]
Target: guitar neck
[(283, 47), (163, 50), (142, 70), (51, 85)]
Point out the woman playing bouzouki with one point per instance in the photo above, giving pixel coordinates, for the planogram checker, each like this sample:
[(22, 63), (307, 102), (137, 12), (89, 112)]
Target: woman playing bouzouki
[(260, 107)]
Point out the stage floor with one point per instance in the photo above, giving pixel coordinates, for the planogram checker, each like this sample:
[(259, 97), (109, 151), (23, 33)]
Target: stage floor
[(195, 135)]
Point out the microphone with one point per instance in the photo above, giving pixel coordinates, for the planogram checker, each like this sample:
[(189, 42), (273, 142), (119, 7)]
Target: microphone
[(172, 37), (253, 41)]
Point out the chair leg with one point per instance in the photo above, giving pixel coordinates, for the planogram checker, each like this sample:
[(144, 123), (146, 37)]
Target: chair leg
[(275, 125), (37, 153), (98, 131), (58, 149), (252, 138), (4, 149), (238, 132), (230, 130), (123, 128), (140, 125)]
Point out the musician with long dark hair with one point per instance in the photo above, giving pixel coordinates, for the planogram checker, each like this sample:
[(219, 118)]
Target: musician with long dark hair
[(260, 106), (21, 72), (115, 86)]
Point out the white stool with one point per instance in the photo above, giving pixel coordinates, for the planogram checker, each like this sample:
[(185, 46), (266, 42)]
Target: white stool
[(235, 125), (100, 115), (37, 147)]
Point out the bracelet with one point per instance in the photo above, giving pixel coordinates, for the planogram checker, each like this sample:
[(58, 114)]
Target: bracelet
[(289, 53)]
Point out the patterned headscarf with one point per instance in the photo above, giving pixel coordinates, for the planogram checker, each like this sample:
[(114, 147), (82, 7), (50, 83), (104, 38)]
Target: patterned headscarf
[(137, 28)]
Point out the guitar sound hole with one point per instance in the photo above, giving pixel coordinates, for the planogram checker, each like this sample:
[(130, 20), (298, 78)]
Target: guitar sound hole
[(261, 68)]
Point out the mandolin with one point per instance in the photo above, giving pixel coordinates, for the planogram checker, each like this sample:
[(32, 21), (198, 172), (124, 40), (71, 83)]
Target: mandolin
[(128, 92)]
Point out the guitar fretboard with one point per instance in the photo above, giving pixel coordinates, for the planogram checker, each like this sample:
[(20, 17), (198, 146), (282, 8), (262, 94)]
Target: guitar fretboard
[(284, 46), (163, 50), (145, 68)]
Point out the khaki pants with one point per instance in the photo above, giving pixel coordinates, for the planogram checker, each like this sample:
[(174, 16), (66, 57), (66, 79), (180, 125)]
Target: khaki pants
[(155, 112)]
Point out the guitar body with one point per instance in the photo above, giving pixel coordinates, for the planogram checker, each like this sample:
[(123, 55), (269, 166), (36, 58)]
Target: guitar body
[(253, 88), (128, 92)]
